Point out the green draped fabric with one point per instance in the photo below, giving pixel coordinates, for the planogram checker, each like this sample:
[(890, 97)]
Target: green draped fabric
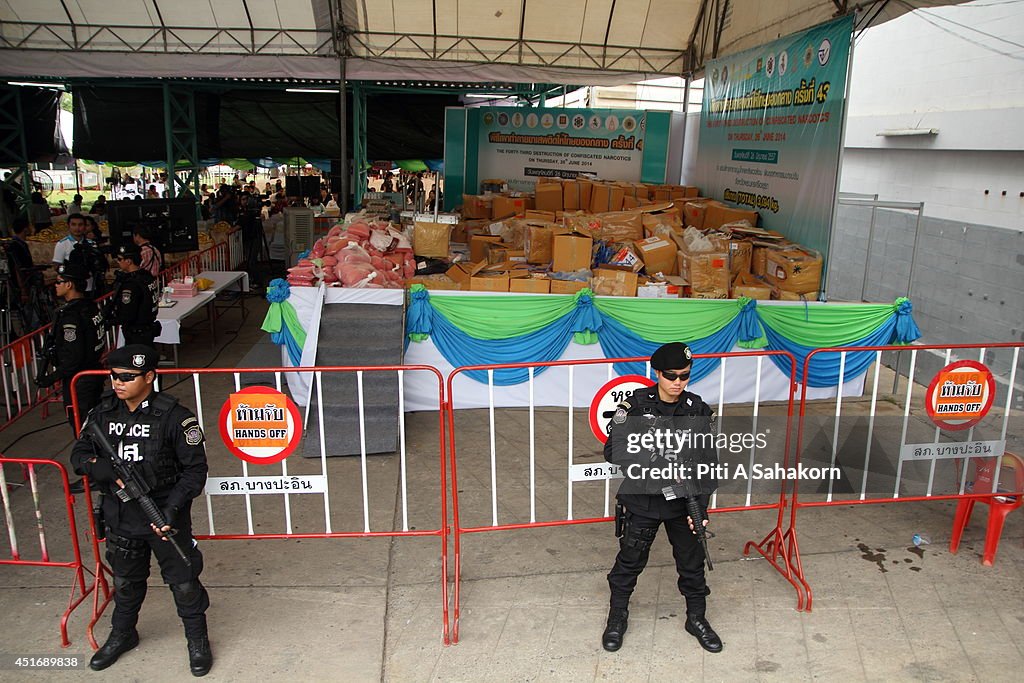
[(667, 320), (283, 314), (478, 316), (821, 326)]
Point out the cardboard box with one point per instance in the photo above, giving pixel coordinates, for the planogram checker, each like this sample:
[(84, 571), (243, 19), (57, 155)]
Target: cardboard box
[(571, 252), (548, 197), (478, 246), (503, 207), (710, 294), (430, 240), (614, 281), (542, 216), (530, 285), (626, 256), (621, 226), (694, 213), (435, 282), (476, 206), (706, 272), (501, 253), (606, 198), (567, 286), (586, 191), (783, 295), (570, 195), (658, 255), (718, 214), (740, 254), (749, 286), (489, 282), (794, 269), (538, 243), (460, 273)]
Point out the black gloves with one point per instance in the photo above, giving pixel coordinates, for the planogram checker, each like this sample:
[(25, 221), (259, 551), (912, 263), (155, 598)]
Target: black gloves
[(46, 381), (102, 471)]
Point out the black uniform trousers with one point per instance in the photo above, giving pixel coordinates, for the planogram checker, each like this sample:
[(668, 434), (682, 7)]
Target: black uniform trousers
[(635, 548), (129, 558)]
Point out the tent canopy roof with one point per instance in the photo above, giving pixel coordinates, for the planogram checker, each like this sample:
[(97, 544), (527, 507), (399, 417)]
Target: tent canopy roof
[(593, 42)]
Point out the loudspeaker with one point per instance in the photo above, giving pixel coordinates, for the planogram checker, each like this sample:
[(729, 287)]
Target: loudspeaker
[(173, 222), (292, 188), (310, 186)]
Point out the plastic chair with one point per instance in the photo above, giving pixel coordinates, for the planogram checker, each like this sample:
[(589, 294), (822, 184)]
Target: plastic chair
[(999, 506)]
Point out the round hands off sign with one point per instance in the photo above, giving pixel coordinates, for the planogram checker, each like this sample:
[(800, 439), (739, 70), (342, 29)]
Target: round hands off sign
[(260, 425), (960, 395), (608, 397)]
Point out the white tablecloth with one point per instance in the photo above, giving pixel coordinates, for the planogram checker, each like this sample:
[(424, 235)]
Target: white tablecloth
[(170, 318)]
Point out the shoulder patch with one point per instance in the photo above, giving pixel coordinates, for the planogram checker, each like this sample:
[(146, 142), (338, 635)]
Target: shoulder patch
[(189, 420), (126, 296), (70, 333), (620, 416), (193, 435)]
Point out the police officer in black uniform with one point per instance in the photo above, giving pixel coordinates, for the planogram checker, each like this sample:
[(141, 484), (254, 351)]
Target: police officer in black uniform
[(75, 342), (644, 513), (136, 296), (165, 443)]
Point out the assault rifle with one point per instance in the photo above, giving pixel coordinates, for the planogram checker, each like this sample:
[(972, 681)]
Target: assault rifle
[(134, 487)]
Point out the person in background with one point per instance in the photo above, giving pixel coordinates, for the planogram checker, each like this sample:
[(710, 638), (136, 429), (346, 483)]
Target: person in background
[(151, 193), (73, 344), (76, 205), (152, 261), (39, 211), (17, 249), (76, 234), (134, 304), (99, 207)]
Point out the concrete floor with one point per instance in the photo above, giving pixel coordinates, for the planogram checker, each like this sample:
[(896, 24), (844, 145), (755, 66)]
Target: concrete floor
[(533, 602)]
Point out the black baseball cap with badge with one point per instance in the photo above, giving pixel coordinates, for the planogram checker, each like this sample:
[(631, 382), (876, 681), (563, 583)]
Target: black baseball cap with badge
[(134, 357), (129, 251), (673, 356), (73, 272)]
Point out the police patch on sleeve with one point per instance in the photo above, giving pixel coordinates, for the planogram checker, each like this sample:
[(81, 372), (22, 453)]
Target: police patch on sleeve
[(126, 296), (193, 435), (70, 333), (189, 420), (620, 416)]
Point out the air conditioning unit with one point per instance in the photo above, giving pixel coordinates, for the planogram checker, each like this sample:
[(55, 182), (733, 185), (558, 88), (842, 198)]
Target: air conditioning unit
[(298, 233)]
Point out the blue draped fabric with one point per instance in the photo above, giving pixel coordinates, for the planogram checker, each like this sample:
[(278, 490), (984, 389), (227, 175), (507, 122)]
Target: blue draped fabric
[(617, 341), (284, 338), (824, 367)]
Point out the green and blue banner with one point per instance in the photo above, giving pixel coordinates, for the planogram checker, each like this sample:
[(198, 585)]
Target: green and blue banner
[(522, 144), (771, 130)]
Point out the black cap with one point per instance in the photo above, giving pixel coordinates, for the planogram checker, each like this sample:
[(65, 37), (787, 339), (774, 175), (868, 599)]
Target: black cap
[(673, 356), (136, 356), (72, 271), (129, 251)]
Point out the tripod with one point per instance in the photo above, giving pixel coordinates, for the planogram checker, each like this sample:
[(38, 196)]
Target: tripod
[(257, 252)]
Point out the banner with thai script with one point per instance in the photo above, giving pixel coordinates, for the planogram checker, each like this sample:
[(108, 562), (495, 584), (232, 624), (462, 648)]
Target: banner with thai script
[(771, 130), (521, 145)]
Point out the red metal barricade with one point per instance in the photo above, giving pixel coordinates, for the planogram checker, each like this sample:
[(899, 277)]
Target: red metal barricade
[(917, 475), (306, 387), (36, 515), (776, 546), (217, 257)]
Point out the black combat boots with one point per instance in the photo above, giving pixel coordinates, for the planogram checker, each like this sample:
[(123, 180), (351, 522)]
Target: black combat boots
[(200, 656), (699, 628), (117, 644), (618, 622)]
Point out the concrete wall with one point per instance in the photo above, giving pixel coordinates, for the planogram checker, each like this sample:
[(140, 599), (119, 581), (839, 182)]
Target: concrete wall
[(968, 280)]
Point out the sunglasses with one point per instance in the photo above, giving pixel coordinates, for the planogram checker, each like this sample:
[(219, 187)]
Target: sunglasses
[(673, 376), (125, 376)]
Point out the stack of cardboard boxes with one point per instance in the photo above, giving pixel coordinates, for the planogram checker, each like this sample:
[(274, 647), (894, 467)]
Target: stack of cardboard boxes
[(550, 241)]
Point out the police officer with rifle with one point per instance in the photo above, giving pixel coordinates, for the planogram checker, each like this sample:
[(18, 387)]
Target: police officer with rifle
[(659, 436), (147, 453), (74, 343), (134, 304)]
